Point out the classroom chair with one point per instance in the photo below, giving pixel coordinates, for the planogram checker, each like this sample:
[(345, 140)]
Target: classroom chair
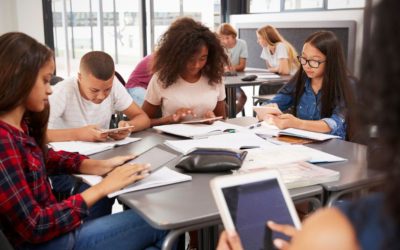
[(4, 243)]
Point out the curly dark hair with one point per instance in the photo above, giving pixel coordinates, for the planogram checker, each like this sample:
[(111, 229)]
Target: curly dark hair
[(379, 105), (179, 43)]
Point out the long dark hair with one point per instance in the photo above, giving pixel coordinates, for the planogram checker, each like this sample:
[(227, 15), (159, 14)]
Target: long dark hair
[(335, 86), (379, 106), (21, 58), (179, 43)]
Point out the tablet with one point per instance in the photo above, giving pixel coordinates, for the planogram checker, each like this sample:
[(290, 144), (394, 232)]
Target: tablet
[(247, 201), (203, 120), (116, 130), (158, 156), (262, 111)]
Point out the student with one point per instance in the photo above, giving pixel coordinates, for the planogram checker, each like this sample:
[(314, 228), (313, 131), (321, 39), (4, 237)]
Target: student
[(82, 106), (374, 220), (237, 53), (139, 79), (188, 66), (29, 212), (319, 93), (279, 54)]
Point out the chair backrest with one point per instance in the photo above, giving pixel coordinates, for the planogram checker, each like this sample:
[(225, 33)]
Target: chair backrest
[(4, 243), (120, 78), (55, 79)]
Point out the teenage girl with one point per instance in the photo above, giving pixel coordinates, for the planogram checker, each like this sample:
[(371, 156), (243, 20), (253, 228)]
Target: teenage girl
[(188, 65), (29, 212)]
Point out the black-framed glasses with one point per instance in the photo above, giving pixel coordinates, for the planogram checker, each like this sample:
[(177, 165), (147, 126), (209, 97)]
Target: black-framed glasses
[(312, 63)]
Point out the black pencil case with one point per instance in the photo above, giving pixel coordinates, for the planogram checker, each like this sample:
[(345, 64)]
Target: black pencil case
[(203, 160)]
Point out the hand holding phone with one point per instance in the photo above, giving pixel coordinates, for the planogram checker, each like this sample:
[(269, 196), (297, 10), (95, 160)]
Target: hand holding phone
[(116, 130)]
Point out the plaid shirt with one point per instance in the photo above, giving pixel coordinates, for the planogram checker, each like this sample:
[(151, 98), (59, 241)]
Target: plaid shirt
[(29, 212)]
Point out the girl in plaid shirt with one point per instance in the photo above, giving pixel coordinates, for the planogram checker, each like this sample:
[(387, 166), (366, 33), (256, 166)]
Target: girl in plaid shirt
[(29, 212)]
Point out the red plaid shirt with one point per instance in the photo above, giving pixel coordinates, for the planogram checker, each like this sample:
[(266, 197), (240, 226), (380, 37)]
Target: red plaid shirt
[(29, 212)]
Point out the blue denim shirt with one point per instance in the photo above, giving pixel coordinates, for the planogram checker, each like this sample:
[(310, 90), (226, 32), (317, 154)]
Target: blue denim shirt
[(309, 107)]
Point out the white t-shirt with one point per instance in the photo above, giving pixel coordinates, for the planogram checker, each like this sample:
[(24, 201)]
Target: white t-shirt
[(199, 96), (237, 52), (281, 52), (68, 109)]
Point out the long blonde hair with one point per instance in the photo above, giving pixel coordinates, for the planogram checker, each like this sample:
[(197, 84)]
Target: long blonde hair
[(272, 36)]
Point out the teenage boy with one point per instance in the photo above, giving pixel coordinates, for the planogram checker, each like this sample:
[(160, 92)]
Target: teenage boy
[(80, 107)]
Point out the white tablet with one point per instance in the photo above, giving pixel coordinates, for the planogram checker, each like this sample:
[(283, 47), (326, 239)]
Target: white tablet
[(247, 201)]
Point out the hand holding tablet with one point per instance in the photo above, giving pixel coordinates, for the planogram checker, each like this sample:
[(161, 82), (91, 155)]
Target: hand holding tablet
[(247, 201)]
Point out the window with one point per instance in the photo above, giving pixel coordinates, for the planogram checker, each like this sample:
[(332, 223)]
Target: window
[(260, 6), (303, 4), (345, 4), (114, 26)]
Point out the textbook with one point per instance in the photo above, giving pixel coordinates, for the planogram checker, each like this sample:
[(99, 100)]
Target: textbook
[(199, 130), (161, 177), (300, 174), (89, 148)]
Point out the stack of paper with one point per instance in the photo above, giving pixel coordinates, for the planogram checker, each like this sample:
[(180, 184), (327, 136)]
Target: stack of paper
[(88, 148), (161, 177), (302, 174), (285, 154), (199, 130)]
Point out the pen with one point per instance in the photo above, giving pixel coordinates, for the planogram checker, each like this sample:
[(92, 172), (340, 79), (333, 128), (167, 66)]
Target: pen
[(255, 125), (248, 147)]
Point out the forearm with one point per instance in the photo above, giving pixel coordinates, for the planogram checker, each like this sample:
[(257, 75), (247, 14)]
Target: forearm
[(95, 167), (140, 122), (315, 126), (93, 194), (55, 135), (161, 121)]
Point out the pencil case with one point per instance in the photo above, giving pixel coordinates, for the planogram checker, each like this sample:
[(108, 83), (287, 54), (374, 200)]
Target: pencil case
[(206, 160)]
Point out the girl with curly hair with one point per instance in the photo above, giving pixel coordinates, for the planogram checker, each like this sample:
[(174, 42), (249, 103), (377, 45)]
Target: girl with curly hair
[(188, 66)]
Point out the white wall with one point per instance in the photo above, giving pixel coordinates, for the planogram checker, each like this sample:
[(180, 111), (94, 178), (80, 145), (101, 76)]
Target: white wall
[(8, 21), (356, 15), (22, 15)]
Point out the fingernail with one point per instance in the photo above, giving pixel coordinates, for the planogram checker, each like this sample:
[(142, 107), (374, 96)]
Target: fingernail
[(278, 243)]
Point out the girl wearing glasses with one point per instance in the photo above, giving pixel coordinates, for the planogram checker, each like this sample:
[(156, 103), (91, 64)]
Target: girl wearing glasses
[(279, 54), (319, 92)]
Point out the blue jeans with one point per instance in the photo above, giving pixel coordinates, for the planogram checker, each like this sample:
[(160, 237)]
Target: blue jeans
[(64, 183), (124, 230), (138, 94)]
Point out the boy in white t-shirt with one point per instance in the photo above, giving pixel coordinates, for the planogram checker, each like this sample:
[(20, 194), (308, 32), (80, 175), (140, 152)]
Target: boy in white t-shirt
[(81, 106)]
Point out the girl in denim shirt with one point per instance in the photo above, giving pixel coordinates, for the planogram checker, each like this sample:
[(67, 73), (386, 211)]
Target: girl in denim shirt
[(319, 92)]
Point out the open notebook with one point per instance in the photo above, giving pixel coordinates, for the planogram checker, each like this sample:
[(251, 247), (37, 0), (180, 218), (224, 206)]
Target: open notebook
[(266, 130), (199, 130), (162, 177), (88, 148)]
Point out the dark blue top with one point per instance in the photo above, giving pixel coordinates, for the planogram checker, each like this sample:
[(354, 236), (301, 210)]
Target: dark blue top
[(374, 228), (309, 107)]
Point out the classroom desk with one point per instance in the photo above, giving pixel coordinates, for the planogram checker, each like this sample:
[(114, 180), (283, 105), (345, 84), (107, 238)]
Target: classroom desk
[(232, 82), (354, 173), (184, 206)]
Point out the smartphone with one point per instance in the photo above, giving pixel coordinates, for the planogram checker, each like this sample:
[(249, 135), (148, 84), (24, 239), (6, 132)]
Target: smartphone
[(116, 130)]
